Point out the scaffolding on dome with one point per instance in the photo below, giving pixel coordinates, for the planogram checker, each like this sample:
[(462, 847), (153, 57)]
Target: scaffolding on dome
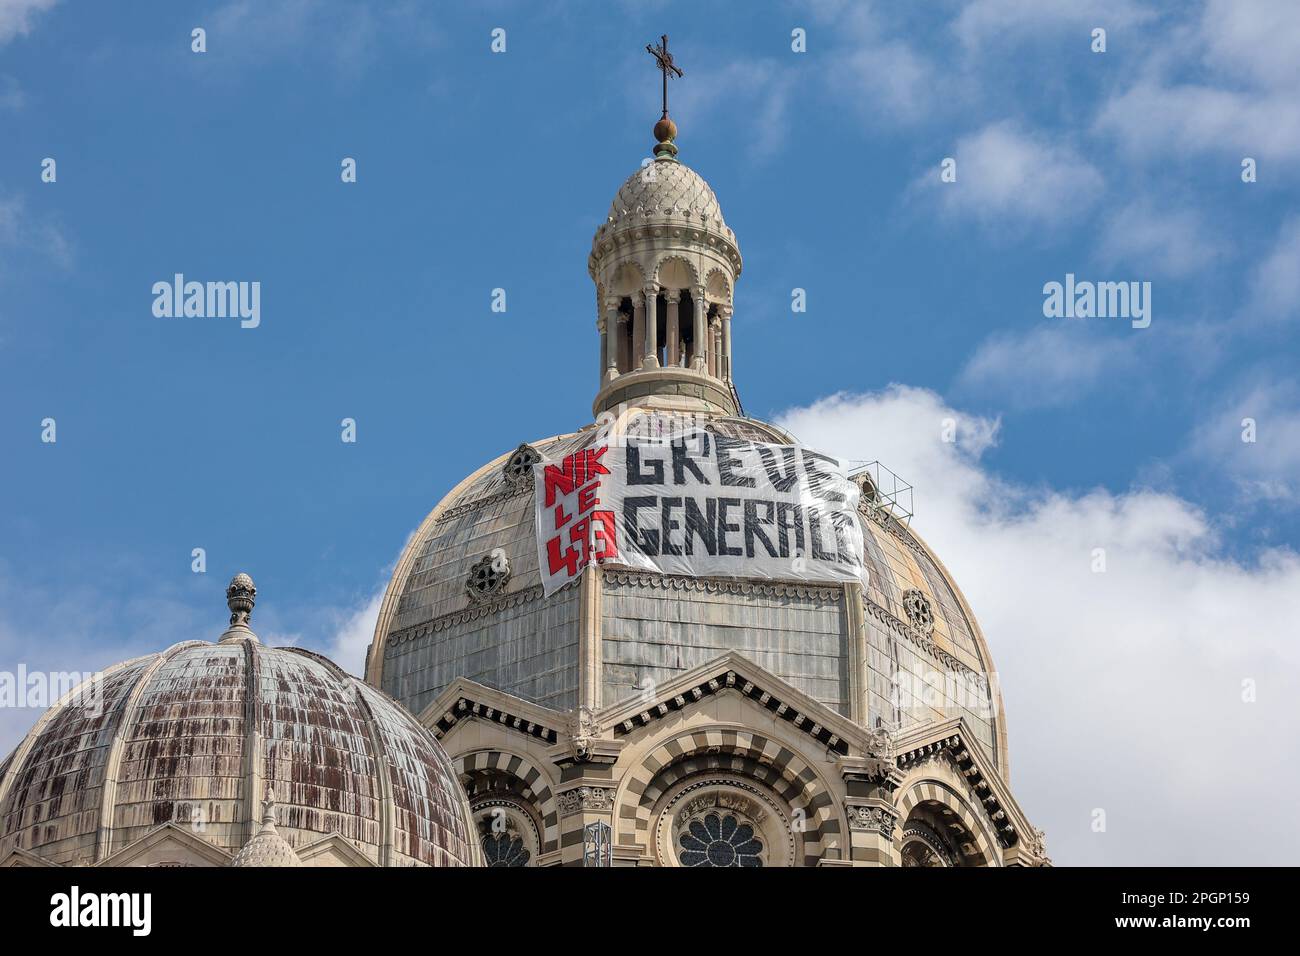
[(882, 489)]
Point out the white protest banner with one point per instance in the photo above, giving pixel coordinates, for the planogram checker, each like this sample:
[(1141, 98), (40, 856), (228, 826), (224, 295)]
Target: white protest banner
[(697, 503)]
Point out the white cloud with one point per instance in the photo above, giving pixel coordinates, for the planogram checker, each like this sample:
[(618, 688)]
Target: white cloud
[(988, 21), (347, 36), (19, 232), (1245, 58), (1274, 293), (1267, 470), (1123, 689), (1153, 119), (1255, 38), (352, 635), (1145, 240), (1052, 364), (758, 91), (888, 80), (16, 16), (872, 67), (1010, 177), (11, 94)]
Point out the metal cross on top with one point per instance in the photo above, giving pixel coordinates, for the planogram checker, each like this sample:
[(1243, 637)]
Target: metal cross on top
[(666, 65)]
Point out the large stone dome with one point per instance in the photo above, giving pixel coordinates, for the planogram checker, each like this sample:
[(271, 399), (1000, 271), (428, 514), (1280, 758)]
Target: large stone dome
[(199, 735), (433, 629)]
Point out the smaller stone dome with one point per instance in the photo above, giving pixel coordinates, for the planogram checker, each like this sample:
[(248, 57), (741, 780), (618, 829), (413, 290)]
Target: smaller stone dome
[(203, 738), (267, 847), (666, 187)]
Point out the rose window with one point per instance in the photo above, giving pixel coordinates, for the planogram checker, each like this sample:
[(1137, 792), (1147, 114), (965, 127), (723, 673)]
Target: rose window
[(919, 611), (488, 576), (719, 841), (518, 468), (504, 849)]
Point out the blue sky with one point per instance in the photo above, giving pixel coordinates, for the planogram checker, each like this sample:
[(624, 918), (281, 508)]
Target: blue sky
[(479, 170)]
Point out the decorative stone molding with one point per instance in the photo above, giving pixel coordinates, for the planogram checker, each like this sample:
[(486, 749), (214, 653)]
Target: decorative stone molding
[(730, 680), (579, 799), (475, 611), (920, 833), (460, 508), (871, 817), (955, 749), (466, 709), (923, 642), (724, 586)]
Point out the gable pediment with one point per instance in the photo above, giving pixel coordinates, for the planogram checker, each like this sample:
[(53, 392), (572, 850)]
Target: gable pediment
[(168, 845), (734, 673)]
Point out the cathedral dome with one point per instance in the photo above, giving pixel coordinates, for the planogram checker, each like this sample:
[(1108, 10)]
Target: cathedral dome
[(197, 736), (619, 683), (438, 623)]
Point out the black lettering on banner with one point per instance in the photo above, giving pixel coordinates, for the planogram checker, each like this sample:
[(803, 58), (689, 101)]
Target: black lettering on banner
[(840, 521), (702, 525), (753, 523), (634, 474), (781, 482), (819, 482), (789, 517), (727, 465), (724, 526), (644, 539), (669, 525), (683, 459), (815, 535)]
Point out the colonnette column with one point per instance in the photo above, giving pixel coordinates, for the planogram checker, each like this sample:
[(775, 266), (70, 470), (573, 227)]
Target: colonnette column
[(725, 312), (651, 359), (699, 347), (673, 297), (610, 337)]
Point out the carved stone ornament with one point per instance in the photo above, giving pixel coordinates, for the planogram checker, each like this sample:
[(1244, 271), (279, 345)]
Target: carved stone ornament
[(585, 798), (240, 597), (488, 576), (919, 612), (880, 753), (518, 469), (872, 818), (1038, 847), (585, 730)]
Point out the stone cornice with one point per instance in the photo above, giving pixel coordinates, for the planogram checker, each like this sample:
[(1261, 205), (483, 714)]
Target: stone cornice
[(669, 582), (637, 230), (471, 613), (466, 708), (509, 491)]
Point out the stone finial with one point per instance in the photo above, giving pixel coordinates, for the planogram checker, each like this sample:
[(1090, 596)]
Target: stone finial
[(268, 808), (241, 595), (240, 598)]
